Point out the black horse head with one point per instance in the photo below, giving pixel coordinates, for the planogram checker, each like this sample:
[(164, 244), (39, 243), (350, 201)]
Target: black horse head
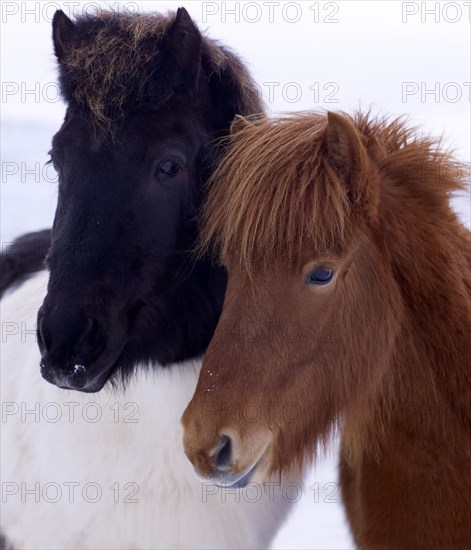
[(147, 96)]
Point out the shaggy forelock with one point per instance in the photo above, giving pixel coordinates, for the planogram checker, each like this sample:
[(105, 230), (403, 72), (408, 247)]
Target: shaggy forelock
[(118, 64), (109, 69), (275, 192), (272, 192)]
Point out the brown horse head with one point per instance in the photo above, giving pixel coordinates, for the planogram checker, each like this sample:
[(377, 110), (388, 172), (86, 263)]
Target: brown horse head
[(324, 223)]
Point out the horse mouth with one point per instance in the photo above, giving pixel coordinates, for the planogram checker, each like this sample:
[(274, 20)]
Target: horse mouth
[(240, 480), (245, 479), (80, 377)]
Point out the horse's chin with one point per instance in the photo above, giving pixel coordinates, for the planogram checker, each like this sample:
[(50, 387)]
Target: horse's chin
[(240, 480), (78, 377), (94, 385), (257, 473)]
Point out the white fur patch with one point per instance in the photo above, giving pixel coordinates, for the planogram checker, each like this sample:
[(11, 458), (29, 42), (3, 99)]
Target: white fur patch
[(106, 470)]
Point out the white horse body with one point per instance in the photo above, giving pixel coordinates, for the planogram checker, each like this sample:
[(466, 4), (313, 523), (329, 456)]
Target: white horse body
[(107, 470)]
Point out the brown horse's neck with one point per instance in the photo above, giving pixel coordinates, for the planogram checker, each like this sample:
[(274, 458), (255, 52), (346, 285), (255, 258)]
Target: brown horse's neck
[(405, 461), (429, 389)]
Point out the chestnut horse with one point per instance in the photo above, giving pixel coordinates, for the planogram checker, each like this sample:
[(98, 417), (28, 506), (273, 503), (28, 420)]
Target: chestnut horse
[(348, 300)]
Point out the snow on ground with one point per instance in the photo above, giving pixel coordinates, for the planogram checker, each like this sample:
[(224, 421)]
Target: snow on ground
[(319, 521), (390, 55)]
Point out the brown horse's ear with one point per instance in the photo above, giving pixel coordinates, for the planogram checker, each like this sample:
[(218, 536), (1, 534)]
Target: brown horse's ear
[(348, 156), (63, 34), (184, 42)]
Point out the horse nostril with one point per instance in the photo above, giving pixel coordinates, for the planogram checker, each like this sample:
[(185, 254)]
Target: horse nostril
[(223, 456)]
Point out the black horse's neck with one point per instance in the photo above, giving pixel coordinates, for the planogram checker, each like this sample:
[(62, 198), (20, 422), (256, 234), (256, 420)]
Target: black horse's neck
[(188, 312)]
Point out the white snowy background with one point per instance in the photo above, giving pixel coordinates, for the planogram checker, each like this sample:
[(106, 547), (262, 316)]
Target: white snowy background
[(396, 57)]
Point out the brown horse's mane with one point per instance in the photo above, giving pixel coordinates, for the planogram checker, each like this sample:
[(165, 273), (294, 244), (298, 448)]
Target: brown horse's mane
[(120, 63), (274, 190)]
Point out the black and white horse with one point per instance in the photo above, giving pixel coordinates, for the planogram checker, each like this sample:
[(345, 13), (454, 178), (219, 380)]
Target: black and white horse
[(123, 306)]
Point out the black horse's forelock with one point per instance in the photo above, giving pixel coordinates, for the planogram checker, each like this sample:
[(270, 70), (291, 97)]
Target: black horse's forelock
[(120, 64), (108, 71)]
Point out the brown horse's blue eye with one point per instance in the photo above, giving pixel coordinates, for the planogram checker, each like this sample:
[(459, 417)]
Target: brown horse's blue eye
[(320, 276), (168, 168)]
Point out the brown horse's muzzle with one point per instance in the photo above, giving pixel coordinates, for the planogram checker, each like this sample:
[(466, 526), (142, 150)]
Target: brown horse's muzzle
[(223, 457)]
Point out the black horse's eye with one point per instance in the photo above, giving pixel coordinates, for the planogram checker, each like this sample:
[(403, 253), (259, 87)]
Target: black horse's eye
[(168, 168), (320, 276)]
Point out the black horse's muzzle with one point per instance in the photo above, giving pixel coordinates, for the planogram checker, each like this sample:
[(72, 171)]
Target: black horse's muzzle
[(75, 353), (75, 377)]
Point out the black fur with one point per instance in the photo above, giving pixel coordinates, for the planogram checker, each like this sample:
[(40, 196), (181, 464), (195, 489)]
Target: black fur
[(24, 256), (124, 287)]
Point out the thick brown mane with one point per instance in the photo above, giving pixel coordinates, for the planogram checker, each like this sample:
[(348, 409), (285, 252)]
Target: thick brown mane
[(121, 63), (274, 189)]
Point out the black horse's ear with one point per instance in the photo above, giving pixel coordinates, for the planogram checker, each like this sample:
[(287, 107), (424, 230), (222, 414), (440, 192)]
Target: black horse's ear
[(347, 155), (63, 33), (184, 42)]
